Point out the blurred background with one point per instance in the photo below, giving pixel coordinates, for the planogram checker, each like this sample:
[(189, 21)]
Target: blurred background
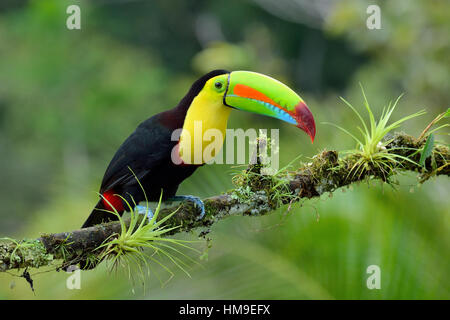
[(68, 98)]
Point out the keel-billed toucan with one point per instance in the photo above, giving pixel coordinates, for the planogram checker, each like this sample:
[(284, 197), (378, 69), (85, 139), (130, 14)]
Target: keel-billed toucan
[(147, 156)]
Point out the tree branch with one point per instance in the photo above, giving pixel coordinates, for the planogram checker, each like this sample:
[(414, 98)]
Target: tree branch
[(256, 194)]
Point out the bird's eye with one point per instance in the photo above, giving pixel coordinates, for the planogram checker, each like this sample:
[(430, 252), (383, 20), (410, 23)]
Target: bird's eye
[(218, 85)]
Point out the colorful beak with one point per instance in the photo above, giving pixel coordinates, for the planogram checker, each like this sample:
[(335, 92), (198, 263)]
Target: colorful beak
[(258, 93)]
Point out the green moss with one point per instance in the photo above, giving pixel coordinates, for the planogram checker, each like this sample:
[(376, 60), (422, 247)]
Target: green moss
[(210, 209), (243, 194), (24, 253), (252, 185)]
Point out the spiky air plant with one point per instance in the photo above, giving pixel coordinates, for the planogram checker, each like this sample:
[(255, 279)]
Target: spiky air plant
[(371, 153), (143, 243)]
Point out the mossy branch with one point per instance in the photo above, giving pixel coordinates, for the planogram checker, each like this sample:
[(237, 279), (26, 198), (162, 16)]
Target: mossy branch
[(255, 194)]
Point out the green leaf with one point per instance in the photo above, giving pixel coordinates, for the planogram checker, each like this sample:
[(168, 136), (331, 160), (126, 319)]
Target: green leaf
[(427, 150), (447, 113)]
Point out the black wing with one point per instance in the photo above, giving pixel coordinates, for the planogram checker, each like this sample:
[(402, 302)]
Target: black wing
[(147, 147)]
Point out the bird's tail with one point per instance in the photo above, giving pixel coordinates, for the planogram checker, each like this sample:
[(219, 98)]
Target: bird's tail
[(98, 215)]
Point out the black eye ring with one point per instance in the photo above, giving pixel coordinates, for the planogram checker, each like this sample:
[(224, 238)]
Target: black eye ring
[(218, 85)]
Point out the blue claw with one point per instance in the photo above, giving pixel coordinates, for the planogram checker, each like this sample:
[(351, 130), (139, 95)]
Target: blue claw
[(196, 200), (144, 210)]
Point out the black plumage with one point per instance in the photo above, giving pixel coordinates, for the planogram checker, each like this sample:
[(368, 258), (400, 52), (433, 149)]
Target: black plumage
[(147, 152)]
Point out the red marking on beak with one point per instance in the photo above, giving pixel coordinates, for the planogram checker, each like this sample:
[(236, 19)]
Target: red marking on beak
[(248, 92), (112, 201), (305, 120)]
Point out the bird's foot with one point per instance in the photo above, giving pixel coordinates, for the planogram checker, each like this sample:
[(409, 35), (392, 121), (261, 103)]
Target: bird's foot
[(145, 211), (196, 200)]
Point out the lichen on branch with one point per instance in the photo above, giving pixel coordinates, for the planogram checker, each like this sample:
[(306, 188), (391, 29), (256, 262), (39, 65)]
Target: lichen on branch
[(255, 194)]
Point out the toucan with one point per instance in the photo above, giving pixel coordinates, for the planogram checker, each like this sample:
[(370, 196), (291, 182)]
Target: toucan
[(150, 163)]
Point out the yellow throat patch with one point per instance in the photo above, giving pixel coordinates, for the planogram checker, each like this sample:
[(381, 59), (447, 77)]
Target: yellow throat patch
[(204, 127)]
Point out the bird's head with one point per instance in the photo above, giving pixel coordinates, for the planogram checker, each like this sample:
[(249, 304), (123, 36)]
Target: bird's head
[(261, 94)]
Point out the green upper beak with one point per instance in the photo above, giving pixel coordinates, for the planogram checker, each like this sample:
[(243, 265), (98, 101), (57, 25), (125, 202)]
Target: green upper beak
[(258, 93)]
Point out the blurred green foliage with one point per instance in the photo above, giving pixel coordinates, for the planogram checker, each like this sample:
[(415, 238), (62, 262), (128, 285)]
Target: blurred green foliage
[(69, 98)]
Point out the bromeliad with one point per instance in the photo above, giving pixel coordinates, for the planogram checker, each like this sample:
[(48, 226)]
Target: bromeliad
[(145, 163)]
